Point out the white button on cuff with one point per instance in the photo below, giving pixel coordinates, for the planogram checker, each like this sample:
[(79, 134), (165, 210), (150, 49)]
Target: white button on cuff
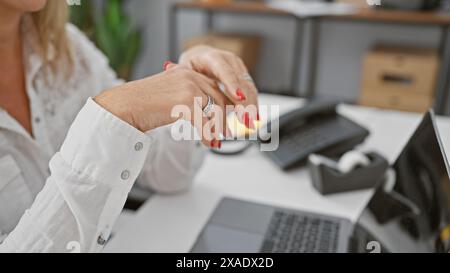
[(139, 146), (101, 241), (125, 175)]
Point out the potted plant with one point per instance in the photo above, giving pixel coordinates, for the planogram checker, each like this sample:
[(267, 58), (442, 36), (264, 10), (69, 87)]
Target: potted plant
[(113, 33)]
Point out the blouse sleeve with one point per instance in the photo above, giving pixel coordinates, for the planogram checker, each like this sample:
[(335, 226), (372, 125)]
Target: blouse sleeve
[(90, 179), (171, 165)]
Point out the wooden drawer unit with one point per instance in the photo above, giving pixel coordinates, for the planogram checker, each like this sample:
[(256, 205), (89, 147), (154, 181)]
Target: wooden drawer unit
[(399, 78)]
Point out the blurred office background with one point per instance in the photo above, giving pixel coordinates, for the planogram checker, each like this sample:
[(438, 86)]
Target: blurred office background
[(346, 55), (391, 54)]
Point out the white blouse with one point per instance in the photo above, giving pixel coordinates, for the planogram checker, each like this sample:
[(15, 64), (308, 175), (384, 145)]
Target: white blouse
[(94, 158)]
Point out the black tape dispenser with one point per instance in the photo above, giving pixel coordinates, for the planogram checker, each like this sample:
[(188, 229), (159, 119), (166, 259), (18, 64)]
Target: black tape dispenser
[(353, 171)]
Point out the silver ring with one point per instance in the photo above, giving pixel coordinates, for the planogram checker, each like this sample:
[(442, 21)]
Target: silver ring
[(209, 106), (248, 78), (222, 87)]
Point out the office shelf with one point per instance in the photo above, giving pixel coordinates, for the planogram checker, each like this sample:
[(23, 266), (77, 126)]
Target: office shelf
[(386, 17)]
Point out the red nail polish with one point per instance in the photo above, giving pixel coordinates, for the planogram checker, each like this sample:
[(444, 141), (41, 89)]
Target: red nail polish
[(257, 117), (213, 143), (248, 121), (220, 145), (166, 64), (240, 94)]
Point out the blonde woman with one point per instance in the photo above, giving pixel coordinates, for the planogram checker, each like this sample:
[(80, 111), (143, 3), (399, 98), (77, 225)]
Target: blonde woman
[(74, 138)]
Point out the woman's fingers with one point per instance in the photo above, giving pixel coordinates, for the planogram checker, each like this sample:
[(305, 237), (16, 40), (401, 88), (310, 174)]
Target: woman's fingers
[(208, 137), (206, 126), (200, 89), (224, 73), (221, 103), (210, 62), (246, 80), (231, 71), (252, 113)]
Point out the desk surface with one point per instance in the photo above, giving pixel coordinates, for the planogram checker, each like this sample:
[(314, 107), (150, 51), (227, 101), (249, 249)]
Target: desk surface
[(172, 223), (362, 14)]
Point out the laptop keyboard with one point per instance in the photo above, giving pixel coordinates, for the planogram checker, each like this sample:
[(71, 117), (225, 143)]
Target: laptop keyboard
[(293, 233)]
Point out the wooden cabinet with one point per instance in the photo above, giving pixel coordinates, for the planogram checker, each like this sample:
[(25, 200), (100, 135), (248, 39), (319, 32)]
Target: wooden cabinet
[(399, 78)]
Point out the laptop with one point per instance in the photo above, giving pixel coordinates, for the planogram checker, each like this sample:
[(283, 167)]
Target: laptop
[(409, 212)]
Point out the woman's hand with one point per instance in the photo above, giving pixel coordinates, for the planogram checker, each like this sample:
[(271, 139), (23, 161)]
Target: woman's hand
[(228, 69), (148, 103)]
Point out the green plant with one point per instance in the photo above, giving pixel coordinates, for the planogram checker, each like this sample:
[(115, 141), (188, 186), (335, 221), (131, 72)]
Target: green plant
[(112, 32)]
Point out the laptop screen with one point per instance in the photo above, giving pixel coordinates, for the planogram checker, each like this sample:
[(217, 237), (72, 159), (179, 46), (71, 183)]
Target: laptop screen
[(410, 210)]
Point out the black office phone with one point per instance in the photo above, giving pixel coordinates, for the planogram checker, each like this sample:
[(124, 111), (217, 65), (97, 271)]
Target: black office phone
[(315, 128)]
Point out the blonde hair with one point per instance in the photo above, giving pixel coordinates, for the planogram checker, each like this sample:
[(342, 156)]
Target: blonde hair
[(50, 24)]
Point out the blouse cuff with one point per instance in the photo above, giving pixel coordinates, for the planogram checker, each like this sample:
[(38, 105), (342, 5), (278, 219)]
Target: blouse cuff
[(104, 147), (111, 153)]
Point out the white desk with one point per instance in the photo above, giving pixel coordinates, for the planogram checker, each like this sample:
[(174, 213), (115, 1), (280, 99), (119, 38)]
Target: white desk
[(172, 223)]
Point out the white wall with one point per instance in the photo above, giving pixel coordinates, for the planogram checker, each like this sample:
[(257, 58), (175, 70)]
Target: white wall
[(340, 53)]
